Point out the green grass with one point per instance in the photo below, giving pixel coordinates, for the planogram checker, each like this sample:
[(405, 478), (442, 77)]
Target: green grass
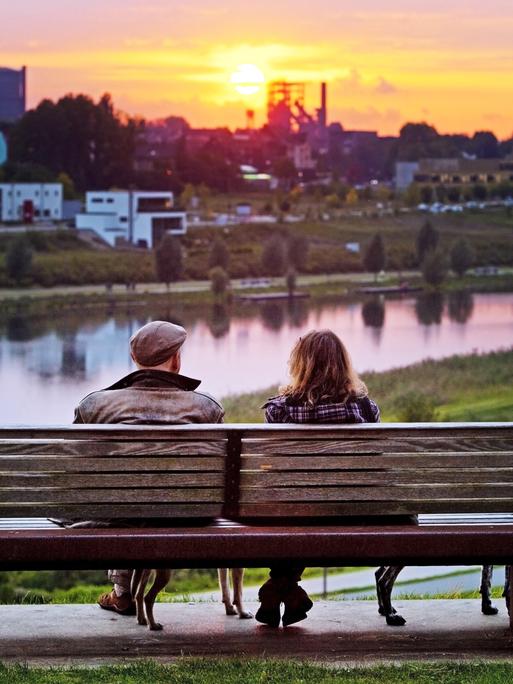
[(253, 671)]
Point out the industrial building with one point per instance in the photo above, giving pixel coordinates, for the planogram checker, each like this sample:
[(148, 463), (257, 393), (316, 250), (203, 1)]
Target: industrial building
[(12, 94), (131, 217), (458, 171), (30, 202)]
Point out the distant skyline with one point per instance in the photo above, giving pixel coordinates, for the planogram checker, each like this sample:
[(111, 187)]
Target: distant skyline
[(386, 62)]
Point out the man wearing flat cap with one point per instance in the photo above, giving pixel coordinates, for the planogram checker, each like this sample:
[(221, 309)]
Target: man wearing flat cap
[(155, 394)]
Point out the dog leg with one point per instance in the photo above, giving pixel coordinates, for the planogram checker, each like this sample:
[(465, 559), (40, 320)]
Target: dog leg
[(222, 576), (386, 581), (485, 590), (137, 587), (237, 576), (162, 577)]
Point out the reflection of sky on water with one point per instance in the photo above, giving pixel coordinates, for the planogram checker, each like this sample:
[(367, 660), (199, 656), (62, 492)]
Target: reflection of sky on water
[(42, 379)]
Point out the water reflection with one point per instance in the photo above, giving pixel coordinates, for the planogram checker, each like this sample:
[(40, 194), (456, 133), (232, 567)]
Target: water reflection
[(461, 305), (219, 322), (48, 363), (429, 308), (373, 312)]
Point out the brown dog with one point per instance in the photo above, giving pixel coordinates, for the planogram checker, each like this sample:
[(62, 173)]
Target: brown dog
[(144, 602), (234, 607)]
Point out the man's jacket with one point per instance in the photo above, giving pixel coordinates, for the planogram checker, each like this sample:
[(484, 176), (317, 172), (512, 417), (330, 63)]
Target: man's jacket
[(150, 397)]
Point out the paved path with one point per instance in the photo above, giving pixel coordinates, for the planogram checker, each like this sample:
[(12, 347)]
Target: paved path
[(360, 579), (345, 632)]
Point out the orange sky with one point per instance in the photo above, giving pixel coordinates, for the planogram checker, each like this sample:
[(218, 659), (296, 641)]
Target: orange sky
[(386, 62)]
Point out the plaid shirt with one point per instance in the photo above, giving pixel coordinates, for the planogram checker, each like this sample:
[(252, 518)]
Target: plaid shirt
[(356, 410)]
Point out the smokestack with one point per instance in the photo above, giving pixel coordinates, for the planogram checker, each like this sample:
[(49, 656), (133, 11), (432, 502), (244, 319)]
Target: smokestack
[(323, 112)]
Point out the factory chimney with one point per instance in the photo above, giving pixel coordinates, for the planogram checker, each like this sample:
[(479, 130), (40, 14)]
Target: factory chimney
[(323, 112)]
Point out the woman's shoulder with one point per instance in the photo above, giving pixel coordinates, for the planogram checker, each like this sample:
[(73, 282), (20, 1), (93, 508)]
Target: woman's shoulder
[(278, 400)]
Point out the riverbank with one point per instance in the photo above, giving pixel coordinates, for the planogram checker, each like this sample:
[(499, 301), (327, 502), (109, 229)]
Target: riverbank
[(197, 292), (458, 388)]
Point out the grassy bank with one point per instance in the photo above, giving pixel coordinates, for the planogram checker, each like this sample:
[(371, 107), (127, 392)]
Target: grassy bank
[(474, 387), (253, 671), (63, 258)]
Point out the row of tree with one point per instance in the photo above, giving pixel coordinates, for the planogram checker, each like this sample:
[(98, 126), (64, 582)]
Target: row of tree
[(433, 261)]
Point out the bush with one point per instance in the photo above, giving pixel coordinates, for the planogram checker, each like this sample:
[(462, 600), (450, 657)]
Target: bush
[(18, 260), (417, 408), (274, 256), (219, 281), (434, 267), (169, 259), (462, 257)]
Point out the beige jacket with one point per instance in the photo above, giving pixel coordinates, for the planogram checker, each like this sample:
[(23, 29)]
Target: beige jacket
[(150, 397)]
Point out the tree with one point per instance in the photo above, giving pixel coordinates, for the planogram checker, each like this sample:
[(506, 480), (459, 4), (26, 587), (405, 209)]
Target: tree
[(169, 259), (68, 187), (91, 142), (18, 259), (219, 281), (219, 255), (462, 257), (274, 256), (374, 258), (434, 267), (298, 246), (427, 239)]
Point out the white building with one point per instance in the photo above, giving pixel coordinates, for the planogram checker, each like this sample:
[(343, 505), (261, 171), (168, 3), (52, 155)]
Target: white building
[(28, 202), (137, 217)]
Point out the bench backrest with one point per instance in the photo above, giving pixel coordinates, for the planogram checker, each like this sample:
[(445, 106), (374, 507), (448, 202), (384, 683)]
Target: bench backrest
[(257, 471)]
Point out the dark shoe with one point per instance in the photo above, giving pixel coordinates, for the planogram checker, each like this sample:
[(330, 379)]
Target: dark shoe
[(297, 604), (123, 605), (270, 600)]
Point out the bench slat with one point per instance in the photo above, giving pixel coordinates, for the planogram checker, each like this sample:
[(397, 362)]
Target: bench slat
[(97, 511), (364, 493), (112, 496), (100, 447), (82, 464), (379, 508), (378, 478), (120, 480), (463, 460), (371, 445)]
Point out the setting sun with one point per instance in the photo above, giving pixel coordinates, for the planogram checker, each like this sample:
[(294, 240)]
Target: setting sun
[(247, 79)]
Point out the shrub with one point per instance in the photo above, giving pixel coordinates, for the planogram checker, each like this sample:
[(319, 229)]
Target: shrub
[(18, 260), (219, 281), (417, 408)]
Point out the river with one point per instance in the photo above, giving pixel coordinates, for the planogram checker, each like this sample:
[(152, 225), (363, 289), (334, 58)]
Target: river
[(47, 363)]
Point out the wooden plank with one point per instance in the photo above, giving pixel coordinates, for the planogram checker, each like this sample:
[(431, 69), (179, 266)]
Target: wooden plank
[(397, 493), (122, 480), (109, 464), (462, 459), (117, 432), (376, 446), (99, 448), (266, 479), (320, 510), (112, 496), (107, 512)]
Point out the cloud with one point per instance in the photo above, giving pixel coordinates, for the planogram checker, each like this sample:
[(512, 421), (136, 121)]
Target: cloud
[(384, 87)]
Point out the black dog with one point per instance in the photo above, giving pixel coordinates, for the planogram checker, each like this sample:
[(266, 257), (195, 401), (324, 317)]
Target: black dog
[(386, 576)]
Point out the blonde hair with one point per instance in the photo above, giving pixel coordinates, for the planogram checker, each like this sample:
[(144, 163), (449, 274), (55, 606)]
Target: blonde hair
[(321, 370)]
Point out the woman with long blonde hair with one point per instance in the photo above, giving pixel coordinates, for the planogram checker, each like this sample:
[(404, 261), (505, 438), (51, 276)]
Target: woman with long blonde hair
[(324, 388)]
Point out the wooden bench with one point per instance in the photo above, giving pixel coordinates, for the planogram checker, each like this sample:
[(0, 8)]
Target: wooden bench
[(288, 490)]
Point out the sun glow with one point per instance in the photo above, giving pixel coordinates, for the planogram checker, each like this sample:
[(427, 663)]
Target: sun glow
[(247, 79)]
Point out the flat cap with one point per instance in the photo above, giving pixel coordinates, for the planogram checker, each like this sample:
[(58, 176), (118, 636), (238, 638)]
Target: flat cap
[(156, 341)]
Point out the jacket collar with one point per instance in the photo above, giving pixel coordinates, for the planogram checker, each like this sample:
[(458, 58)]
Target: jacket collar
[(155, 378)]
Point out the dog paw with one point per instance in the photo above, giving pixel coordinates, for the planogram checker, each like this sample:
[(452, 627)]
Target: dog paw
[(395, 620), (230, 610), (142, 621), (245, 615), (489, 610), (156, 627)]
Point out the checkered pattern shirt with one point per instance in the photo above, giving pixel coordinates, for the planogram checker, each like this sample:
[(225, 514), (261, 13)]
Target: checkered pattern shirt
[(355, 410)]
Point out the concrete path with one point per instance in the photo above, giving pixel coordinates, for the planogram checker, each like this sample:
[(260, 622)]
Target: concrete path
[(345, 632)]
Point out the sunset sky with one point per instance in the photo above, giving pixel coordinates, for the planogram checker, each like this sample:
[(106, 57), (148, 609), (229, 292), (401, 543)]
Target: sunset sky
[(448, 62)]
